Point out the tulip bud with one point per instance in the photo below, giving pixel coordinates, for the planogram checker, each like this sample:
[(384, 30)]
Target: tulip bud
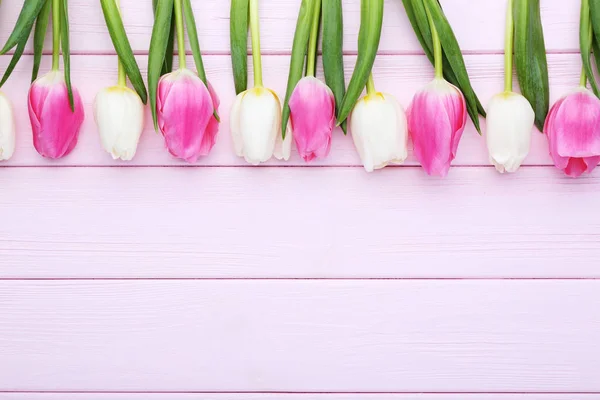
[(436, 121), (55, 126), (185, 108), (255, 121), (7, 128), (119, 114), (573, 130), (379, 129), (510, 120), (312, 117)]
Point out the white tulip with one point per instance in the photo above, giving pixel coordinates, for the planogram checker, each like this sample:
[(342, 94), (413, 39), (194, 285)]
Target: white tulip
[(119, 114), (379, 128), (510, 120), (7, 128), (255, 125)]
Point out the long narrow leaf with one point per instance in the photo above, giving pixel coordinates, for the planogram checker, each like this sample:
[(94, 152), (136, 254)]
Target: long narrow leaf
[(118, 35), (66, 49), (298, 56), (13, 61), (190, 23), (238, 36), (30, 11), (585, 44), (158, 47), (595, 21), (455, 58), (170, 51), (333, 57), (530, 58), (39, 36), (369, 38)]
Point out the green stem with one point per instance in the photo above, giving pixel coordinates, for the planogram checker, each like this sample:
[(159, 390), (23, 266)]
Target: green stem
[(180, 33), (314, 36), (583, 79), (371, 85), (508, 48), (56, 11), (437, 46), (255, 32)]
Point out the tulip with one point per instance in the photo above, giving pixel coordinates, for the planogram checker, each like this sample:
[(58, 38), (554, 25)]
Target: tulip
[(55, 126), (7, 128), (119, 114), (510, 120), (573, 130), (379, 130), (436, 121), (255, 121), (185, 109), (312, 117)]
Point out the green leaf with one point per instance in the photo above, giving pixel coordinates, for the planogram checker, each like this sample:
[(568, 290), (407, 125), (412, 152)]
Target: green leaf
[(238, 35), (169, 53), (298, 56), (455, 59), (585, 44), (595, 21), (39, 36), (333, 57), (530, 58), (158, 47), (13, 61), (116, 29), (30, 11), (368, 44), (66, 49)]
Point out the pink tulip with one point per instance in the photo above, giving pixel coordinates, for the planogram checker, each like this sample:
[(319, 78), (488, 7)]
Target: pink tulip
[(436, 121), (573, 129), (312, 117), (55, 126), (185, 108)]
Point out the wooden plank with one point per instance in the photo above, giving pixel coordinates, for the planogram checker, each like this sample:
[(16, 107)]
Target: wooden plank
[(479, 25), (402, 76), (296, 223), (286, 396), (300, 336)]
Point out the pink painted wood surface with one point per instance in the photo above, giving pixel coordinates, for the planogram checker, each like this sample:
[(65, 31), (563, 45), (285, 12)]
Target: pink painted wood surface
[(402, 76), (479, 25), (288, 396), (511, 296), (296, 223), (299, 336)]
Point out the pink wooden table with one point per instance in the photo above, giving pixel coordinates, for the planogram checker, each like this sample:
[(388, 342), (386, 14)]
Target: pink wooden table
[(155, 280)]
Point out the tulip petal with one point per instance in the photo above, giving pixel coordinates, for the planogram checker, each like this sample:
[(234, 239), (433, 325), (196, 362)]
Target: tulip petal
[(235, 125), (7, 128), (577, 135)]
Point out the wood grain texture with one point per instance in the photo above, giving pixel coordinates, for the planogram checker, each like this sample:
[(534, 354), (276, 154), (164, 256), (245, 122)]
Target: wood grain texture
[(288, 396), (402, 76), (296, 223), (298, 336), (478, 25)]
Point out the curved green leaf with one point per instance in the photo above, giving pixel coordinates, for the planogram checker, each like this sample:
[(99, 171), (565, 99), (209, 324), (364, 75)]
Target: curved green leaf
[(13, 61), (369, 37), (118, 35), (66, 49), (190, 23), (238, 36), (298, 56), (585, 44), (39, 36), (333, 57), (30, 11), (530, 58), (595, 21), (455, 59), (170, 52), (158, 47)]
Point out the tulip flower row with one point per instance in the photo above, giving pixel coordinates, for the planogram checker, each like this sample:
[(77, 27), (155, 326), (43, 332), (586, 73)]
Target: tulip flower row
[(185, 107)]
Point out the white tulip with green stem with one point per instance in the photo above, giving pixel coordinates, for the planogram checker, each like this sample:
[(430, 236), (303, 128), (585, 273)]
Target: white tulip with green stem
[(256, 113), (510, 117), (118, 110)]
